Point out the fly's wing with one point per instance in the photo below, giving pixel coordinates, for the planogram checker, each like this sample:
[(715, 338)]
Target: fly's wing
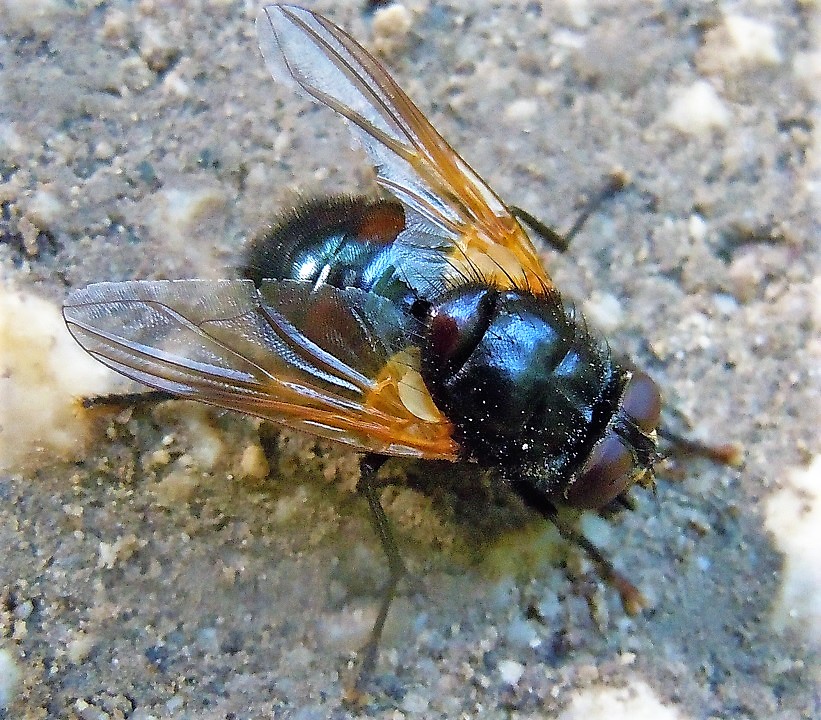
[(455, 224), (335, 363)]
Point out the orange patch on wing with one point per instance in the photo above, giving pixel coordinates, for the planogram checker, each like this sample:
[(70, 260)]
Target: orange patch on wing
[(505, 261), (401, 394)]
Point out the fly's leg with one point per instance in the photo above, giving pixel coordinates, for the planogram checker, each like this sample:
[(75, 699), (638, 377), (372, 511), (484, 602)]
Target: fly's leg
[(677, 443), (123, 400), (368, 487), (725, 454), (616, 182), (631, 598), (552, 237)]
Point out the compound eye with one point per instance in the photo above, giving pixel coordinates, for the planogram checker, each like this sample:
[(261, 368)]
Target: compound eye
[(607, 473), (642, 402)]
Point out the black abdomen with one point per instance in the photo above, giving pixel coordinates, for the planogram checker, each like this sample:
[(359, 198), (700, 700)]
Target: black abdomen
[(342, 241)]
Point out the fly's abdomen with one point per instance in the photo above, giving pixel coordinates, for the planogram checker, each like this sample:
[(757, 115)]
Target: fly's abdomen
[(344, 242)]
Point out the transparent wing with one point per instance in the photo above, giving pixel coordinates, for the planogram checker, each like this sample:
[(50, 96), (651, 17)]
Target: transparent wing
[(335, 363), (455, 222)]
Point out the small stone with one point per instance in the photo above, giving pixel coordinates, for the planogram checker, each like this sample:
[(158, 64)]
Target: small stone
[(156, 49), (253, 463), (637, 700), (578, 12), (45, 207), (42, 373), (521, 634), (737, 44), (746, 275), (697, 109), (9, 677), (391, 29), (793, 516), (807, 69), (121, 549), (604, 311), (697, 228), (521, 110), (23, 610), (79, 648), (415, 703), (103, 150), (116, 25), (511, 671), (175, 488)]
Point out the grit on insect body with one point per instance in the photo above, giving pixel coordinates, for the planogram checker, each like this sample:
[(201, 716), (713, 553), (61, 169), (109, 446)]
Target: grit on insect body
[(424, 326)]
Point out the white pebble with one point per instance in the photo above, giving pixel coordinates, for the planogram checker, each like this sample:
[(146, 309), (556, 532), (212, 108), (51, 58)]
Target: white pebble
[(697, 109), (696, 228), (579, 12), (637, 701), (521, 110), (9, 676), (43, 372), (253, 463), (415, 703), (793, 516), (604, 311), (391, 28), (806, 67), (44, 207), (511, 671), (737, 44)]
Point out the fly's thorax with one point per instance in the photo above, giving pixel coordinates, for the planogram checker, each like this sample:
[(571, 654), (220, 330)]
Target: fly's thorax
[(526, 387)]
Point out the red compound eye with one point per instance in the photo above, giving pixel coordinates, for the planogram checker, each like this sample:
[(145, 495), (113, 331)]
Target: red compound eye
[(642, 402), (607, 473), (611, 467)]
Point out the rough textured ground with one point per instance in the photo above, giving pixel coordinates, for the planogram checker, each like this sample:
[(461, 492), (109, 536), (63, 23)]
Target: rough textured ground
[(158, 565)]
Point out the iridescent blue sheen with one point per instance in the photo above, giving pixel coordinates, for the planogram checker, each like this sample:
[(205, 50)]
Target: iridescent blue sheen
[(534, 392)]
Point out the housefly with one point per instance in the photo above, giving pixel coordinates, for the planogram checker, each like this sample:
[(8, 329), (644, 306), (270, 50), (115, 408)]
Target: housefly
[(421, 325)]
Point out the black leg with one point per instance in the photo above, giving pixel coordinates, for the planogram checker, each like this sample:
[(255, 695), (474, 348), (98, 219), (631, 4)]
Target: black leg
[(679, 445), (368, 487), (631, 597), (552, 237), (626, 501), (616, 182), (726, 453), (126, 399)]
